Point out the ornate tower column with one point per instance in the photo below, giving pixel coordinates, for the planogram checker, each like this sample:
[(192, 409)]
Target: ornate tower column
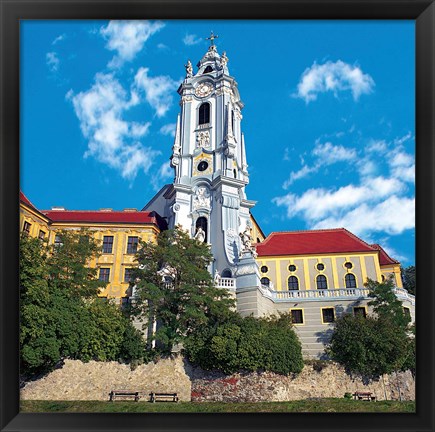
[(208, 196)]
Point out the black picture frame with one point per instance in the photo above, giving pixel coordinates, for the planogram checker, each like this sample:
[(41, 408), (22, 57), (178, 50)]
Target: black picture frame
[(422, 11)]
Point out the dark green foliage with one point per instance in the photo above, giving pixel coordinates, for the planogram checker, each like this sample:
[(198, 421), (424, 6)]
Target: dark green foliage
[(61, 316), (247, 343), (367, 346), (385, 303), (68, 264), (187, 299), (378, 344), (408, 278)]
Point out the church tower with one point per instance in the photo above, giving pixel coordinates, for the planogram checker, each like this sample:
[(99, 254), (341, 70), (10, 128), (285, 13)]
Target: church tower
[(208, 196)]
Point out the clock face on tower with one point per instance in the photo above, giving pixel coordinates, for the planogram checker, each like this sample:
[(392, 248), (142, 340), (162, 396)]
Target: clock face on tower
[(202, 166), (203, 89)]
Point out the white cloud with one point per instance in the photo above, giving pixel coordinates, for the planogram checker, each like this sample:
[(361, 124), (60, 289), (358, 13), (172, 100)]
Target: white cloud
[(374, 203), (52, 61), (334, 77), (376, 146), (393, 216), (158, 90), (325, 154), (191, 39), (59, 39), (111, 139), (330, 154), (163, 174), (168, 129), (127, 38), (297, 175)]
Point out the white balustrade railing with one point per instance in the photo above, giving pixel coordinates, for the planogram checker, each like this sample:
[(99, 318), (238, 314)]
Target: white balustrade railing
[(223, 282), (317, 294), (401, 293)]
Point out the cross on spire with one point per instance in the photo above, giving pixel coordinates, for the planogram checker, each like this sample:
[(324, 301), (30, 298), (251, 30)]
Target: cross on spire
[(212, 38)]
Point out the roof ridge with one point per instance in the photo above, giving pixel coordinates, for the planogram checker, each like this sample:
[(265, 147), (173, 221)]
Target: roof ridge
[(359, 239), (378, 247), (266, 240), (95, 211)]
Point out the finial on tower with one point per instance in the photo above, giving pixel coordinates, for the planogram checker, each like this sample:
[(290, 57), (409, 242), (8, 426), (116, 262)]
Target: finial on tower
[(212, 38)]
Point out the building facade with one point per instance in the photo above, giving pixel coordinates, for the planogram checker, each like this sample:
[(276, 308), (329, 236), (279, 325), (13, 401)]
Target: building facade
[(118, 232), (314, 275)]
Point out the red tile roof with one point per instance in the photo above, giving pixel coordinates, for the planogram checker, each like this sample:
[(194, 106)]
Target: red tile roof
[(326, 241), (99, 216), (25, 200), (126, 217), (384, 258)]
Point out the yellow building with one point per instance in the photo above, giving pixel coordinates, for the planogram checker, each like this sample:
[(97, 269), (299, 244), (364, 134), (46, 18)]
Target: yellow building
[(322, 259), (117, 231)]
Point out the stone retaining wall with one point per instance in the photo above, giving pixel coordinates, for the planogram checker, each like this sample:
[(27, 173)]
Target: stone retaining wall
[(331, 381), (94, 380)]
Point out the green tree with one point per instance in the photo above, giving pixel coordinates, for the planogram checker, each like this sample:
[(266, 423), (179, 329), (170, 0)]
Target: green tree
[(368, 346), (175, 288), (408, 278), (385, 303), (268, 343), (378, 344), (69, 263), (39, 346), (61, 315)]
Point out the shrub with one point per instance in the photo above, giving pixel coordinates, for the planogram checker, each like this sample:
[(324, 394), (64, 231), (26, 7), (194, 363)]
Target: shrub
[(247, 344)]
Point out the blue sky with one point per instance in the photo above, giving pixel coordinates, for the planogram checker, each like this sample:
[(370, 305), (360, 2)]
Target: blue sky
[(328, 118)]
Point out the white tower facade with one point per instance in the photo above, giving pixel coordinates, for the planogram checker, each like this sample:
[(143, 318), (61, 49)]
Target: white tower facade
[(207, 197)]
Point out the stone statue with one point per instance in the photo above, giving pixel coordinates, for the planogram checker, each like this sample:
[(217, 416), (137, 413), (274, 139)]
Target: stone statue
[(246, 238), (216, 276), (202, 198), (189, 69), (200, 235), (224, 59)]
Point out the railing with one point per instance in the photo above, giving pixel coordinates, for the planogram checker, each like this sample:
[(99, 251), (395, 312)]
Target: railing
[(401, 293), (223, 282), (317, 294)]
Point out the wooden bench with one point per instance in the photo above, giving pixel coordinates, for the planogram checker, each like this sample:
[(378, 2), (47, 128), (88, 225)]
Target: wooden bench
[(163, 397), (364, 396), (123, 394)]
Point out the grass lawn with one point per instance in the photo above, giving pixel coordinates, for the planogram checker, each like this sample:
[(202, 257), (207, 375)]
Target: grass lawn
[(318, 405)]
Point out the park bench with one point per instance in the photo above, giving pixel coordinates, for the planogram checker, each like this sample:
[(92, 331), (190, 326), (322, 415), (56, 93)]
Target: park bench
[(364, 396), (163, 397), (123, 394)]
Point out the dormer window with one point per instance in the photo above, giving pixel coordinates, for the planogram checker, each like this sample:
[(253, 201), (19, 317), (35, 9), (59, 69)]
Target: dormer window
[(204, 113), (208, 69)]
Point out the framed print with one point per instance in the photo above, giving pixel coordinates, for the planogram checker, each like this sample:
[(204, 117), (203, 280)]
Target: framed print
[(315, 117)]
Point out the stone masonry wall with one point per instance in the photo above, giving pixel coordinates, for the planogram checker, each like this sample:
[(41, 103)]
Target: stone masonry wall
[(94, 380), (331, 381)]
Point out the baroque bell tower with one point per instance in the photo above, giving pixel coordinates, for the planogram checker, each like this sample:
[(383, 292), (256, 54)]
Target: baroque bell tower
[(207, 197)]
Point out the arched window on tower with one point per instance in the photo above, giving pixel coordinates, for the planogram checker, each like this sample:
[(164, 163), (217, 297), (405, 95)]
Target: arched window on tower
[(321, 282), (293, 283), (204, 113), (201, 222), (232, 122), (226, 273), (350, 280), (208, 69)]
